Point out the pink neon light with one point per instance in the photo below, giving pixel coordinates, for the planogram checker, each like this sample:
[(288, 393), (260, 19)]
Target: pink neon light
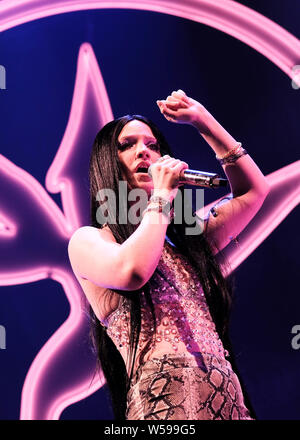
[(284, 196), (33, 190), (58, 179), (7, 227), (89, 86), (255, 30)]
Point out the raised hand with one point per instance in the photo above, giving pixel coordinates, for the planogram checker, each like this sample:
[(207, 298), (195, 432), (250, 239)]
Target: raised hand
[(180, 108)]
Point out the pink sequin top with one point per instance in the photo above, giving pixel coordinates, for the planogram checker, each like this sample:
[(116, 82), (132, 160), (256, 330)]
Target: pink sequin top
[(184, 324)]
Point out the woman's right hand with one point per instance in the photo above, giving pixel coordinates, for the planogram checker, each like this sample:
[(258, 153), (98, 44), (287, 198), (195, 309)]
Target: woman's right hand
[(166, 176)]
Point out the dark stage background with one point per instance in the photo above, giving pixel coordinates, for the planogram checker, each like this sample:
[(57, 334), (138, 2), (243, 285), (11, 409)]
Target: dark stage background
[(143, 56)]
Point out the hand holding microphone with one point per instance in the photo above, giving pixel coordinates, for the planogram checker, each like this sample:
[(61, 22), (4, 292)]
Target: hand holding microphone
[(165, 173), (191, 177)]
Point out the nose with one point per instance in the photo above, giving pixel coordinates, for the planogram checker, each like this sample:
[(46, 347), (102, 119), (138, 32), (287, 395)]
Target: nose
[(142, 151)]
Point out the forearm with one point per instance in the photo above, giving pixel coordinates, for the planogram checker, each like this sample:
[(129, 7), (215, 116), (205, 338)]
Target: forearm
[(142, 250), (243, 175)]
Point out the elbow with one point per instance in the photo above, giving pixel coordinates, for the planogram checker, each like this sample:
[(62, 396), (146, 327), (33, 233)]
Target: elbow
[(264, 190), (132, 279), (259, 194), (267, 188), (135, 282)]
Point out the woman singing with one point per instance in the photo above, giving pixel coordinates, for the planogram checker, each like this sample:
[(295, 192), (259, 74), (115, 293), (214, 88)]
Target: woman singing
[(159, 301)]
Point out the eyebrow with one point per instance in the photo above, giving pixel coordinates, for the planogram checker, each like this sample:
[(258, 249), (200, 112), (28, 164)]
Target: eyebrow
[(133, 137)]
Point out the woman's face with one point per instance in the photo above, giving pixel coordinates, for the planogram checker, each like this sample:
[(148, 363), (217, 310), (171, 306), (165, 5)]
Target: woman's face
[(138, 149)]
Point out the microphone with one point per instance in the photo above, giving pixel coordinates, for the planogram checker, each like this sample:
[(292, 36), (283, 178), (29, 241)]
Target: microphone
[(199, 178)]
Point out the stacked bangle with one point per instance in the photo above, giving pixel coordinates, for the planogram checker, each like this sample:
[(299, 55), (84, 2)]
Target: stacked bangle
[(160, 204), (232, 155)]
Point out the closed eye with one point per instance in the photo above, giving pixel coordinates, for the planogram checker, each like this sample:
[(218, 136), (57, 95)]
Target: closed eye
[(127, 144), (154, 146), (124, 146)]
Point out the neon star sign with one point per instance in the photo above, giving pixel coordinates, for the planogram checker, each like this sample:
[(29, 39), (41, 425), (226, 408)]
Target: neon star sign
[(47, 389)]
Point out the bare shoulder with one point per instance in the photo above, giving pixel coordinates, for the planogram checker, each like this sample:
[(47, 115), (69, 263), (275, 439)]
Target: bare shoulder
[(85, 234), (102, 300), (85, 240)]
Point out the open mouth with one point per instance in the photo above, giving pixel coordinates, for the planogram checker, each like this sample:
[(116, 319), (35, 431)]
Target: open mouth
[(143, 170)]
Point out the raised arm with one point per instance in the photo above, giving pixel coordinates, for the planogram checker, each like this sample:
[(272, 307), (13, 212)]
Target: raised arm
[(249, 187)]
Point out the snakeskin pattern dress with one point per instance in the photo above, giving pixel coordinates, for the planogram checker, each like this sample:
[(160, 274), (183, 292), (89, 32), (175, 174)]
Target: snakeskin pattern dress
[(181, 371)]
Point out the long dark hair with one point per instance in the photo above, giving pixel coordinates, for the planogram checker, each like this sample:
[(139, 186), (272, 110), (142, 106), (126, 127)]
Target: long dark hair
[(105, 172)]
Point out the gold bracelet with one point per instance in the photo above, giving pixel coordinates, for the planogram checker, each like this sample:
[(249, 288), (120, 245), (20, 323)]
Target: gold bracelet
[(234, 157), (159, 200), (230, 152), (166, 209)]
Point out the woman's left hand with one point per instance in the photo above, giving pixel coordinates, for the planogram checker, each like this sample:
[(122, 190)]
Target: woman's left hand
[(180, 108)]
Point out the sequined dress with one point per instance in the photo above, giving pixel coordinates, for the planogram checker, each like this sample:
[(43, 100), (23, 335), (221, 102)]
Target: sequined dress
[(181, 371)]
